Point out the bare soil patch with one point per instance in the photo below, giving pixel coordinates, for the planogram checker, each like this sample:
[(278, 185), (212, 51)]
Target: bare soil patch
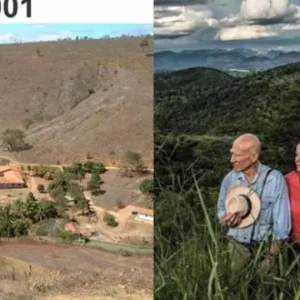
[(60, 270), (74, 98)]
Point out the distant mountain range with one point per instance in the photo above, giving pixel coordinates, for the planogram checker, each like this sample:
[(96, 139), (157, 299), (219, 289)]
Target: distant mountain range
[(239, 59)]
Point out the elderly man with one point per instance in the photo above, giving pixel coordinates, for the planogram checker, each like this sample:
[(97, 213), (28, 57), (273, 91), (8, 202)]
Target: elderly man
[(273, 223)]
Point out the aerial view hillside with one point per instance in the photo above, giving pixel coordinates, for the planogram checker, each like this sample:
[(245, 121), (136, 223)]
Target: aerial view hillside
[(77, 98), (76, 207)]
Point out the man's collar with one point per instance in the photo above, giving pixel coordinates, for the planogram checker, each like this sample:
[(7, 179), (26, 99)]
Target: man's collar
[(241, 175)]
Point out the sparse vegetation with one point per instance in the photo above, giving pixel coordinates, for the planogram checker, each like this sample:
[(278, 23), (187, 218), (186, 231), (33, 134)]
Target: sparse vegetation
[(68, 236), (41, 188), (110, 220), (146, 187), (133, 164), (14, 140), (120, 204), (27, 123), (37, 101)]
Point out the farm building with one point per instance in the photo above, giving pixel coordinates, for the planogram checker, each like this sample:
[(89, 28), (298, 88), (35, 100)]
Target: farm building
[(144, 214), (11, 177)]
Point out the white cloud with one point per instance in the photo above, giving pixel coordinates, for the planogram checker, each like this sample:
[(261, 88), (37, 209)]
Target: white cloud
[(250, 19), (182, 19), (241, 25), (244, 32), (253, 9), (291, 27)]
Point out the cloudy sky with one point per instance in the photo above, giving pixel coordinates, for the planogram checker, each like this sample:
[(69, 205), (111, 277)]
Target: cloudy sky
[(48, 32), (192, 24)]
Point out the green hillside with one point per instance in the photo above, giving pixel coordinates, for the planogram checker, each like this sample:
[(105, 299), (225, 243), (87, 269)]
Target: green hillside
[(198, 113), (266, 104)]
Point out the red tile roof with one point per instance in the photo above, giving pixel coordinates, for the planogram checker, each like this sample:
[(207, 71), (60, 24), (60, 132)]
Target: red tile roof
[(72, 227), (11, 173)]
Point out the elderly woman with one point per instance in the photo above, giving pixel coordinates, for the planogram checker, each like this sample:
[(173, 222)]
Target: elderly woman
[(293, 183)]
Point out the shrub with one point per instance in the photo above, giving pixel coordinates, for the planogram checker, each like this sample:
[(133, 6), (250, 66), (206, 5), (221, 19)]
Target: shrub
[(146, 187), (41, 188), (120, 204), (68, 236), (110, 220)]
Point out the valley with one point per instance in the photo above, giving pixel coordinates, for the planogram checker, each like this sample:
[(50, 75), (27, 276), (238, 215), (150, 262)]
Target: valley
[(76, 169)]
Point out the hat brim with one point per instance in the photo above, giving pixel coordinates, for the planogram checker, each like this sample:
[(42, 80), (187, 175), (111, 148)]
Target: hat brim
[(255, 204)]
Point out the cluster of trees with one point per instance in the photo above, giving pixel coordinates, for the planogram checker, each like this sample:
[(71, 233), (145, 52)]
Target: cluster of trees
[(78, 170), (16, 219), (105, 37), (63, 186), (46, 172)]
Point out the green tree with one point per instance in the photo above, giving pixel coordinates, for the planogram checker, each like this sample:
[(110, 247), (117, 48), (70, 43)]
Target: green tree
[(146, 187), (78, 170), (92, 167), (94, 185), (46, 210), (62, 180), (41, 188), (68, 236), (110, 220), (31, 207)]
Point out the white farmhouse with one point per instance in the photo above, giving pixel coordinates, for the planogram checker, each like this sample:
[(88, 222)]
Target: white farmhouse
[(144, 215)]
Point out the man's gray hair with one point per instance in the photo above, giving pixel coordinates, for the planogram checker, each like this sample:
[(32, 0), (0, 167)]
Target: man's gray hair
[(254, 138)]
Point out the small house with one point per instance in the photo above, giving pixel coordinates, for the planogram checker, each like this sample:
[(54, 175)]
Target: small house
[(73, 227), (11, 177), (144, 214)]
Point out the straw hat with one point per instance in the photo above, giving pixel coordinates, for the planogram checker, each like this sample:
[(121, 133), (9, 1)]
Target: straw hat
[(245, 200)]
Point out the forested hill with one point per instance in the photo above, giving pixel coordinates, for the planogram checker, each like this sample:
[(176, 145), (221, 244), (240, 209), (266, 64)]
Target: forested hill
[(201, 101), (204, 102)]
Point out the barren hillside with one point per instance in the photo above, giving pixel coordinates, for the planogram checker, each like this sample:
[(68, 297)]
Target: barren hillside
[(72, 98)]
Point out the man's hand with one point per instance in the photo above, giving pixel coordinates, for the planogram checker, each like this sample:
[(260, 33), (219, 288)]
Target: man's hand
[(233, 220)]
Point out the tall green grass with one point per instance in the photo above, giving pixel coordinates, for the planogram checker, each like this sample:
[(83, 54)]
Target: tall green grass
[(192, 259)]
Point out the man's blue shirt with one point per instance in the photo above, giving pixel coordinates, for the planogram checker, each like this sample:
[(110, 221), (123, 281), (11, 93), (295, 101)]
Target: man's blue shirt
[(274, 217)]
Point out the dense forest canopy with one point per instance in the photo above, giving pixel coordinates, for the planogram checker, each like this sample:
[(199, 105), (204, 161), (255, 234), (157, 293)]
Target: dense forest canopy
[(198, 103), (198, 113)]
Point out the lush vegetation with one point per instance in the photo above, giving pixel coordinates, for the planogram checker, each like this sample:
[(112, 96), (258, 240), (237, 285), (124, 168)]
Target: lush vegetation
[(16, 219), (44, 217), (198, 114)]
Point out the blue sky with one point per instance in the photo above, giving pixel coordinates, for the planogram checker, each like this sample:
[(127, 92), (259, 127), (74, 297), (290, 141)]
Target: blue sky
[(12, 33)]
